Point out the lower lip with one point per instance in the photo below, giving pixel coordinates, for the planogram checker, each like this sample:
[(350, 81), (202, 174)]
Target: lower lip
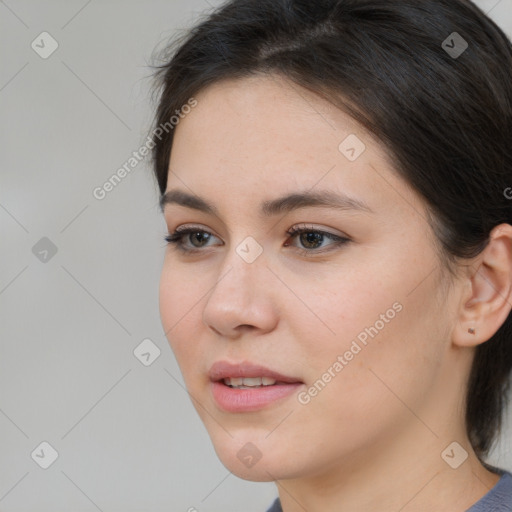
[(245, 400)]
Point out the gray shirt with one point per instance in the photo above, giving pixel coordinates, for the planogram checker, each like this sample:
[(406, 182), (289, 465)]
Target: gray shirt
[(498, 499)]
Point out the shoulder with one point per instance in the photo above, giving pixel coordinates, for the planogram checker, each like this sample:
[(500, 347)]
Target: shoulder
[(499, 498), (276, 506)]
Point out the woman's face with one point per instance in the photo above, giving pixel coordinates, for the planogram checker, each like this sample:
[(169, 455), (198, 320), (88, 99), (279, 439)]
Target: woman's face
[(361, 328)]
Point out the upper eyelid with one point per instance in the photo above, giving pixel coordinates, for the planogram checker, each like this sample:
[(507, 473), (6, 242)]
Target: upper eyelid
[(294, 231), (294, 227)]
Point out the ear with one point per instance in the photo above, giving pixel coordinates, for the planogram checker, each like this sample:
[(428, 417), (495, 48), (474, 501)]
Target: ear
[(487, 299)]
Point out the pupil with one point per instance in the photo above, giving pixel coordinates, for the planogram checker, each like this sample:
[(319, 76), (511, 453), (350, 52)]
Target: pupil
[(200, 235), (312, 238)]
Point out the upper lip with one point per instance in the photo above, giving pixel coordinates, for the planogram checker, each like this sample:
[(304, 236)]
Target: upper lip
[(223, 369)]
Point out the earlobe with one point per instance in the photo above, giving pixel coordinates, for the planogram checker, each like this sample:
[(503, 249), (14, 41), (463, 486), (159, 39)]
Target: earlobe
[(487, 302)]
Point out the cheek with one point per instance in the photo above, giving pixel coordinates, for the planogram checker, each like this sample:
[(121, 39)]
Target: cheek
[(180, 310), (382, 298), (343, 307), (381, 324), (181, 288), (370, 396)]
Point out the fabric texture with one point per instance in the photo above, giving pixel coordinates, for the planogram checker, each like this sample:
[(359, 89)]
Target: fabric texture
[(498, 499)]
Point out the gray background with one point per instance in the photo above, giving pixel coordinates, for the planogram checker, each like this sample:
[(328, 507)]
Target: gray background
[(126, 434)]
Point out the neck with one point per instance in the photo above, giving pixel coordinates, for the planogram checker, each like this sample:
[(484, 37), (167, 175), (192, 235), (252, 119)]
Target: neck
[(405, 474)]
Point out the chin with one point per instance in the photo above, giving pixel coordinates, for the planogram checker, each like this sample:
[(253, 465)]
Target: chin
[(254, 458), (261, 471)]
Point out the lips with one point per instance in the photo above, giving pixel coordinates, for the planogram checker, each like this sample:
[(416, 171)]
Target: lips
[(240, 398), (222, 370)]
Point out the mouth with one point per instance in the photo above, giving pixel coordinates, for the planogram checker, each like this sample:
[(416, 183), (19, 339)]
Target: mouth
[(250, 382), (244, 387)]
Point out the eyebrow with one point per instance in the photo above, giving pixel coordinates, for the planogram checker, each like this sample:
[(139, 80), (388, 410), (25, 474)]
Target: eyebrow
[(281, 205)]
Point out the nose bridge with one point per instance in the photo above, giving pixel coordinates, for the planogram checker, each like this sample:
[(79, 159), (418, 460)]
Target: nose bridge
[(235, 298), (242, 267)]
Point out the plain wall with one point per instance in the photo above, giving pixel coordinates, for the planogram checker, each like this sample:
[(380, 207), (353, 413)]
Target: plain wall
[(127, 435)]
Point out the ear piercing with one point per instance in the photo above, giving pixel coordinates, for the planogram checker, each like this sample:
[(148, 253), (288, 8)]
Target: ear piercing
[(471, 330)]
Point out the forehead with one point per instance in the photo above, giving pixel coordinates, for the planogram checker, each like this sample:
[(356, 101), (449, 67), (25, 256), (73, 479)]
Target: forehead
[(269, 109), (254, 135)]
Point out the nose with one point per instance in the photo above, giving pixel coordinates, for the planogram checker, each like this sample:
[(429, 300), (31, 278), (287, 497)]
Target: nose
[(242, 298)]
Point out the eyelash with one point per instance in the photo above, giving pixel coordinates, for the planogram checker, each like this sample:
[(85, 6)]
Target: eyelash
[(176, 239)]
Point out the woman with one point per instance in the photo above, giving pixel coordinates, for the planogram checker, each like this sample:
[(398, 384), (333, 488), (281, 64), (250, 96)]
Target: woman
[(338, 282)]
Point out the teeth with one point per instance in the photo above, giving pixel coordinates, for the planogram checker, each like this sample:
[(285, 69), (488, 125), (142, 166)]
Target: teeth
[(252, 381), (249, 382)]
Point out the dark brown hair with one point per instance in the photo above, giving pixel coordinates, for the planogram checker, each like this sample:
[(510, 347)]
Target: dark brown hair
[(393, 66)]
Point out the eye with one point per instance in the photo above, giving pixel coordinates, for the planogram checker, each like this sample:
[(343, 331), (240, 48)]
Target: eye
[(309, 237), (312, 239), (191, 233)]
